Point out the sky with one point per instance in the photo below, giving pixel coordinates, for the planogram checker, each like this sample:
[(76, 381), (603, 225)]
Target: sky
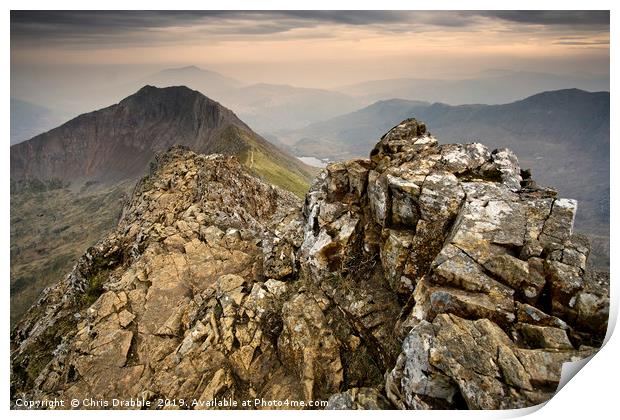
[(311, 48), (304, 48)]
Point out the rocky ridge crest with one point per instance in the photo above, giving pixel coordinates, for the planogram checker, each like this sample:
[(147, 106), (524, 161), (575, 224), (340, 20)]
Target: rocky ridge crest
[(428, 276)]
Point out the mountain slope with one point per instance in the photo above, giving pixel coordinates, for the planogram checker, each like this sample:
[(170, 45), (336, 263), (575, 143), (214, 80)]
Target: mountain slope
[(349, 135), (116, 143), (563, 136)]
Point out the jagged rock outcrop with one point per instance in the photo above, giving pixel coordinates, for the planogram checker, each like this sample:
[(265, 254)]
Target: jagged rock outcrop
[(482, 261), (428, 276), (180, 303)]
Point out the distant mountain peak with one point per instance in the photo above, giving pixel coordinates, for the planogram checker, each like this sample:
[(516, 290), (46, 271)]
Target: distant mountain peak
[(204, 79), (180, 102), (190, 68)]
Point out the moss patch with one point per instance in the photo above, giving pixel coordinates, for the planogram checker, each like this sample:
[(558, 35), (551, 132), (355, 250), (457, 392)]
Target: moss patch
[(95, 287)]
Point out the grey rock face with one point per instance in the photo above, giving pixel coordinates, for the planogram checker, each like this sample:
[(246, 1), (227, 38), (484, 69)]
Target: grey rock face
[(458, 234)]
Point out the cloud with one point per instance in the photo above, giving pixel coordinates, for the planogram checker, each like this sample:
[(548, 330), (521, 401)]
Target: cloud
[(583, 43), (117, 28), (553, 17), (143, 27)]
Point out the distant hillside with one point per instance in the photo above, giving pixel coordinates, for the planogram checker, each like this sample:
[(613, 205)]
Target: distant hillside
[(269, 107), (350, 135), (563, 136), (490, 87)]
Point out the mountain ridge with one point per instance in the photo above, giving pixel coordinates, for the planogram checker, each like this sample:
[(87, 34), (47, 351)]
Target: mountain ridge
[(118, 141), (430, 276)]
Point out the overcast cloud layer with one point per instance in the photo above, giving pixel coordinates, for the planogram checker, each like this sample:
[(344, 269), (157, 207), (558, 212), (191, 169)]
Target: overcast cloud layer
[(54, 50), (104, 27)]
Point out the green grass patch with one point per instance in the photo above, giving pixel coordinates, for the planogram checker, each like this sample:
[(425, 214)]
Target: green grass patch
[(275, 168), (275, 174)]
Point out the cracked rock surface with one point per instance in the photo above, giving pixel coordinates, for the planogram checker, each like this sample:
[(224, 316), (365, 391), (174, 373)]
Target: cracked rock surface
[(428, 276)]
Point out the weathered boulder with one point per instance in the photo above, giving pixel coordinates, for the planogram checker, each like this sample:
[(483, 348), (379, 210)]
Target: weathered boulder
[(475, 360)]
